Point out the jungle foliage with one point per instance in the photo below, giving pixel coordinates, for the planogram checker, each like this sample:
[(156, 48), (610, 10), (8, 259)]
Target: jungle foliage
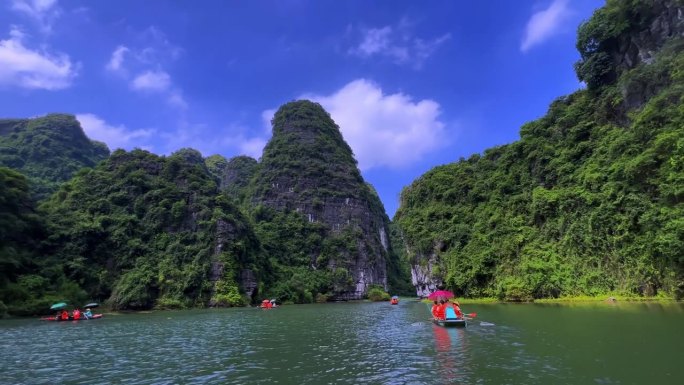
[(48, 150), (589, 201), (141, 231)]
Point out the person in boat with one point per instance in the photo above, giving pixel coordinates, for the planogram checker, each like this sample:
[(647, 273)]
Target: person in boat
[(453, 311), (64, 316), (88, 314), (457, 309), (77, 314), (441, 310), (434, 309)]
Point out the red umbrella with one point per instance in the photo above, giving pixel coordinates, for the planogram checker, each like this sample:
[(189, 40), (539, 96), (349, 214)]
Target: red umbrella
[(441, 294)]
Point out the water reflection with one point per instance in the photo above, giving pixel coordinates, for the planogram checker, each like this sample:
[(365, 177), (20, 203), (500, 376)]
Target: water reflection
[(355, 343), (452, 355)]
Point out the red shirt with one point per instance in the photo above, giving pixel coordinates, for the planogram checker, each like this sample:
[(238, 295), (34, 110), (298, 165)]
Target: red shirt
[(441, 311)]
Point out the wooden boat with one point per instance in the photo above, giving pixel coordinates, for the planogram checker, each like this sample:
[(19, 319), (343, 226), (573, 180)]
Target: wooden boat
[(451, 323), (95, 316)]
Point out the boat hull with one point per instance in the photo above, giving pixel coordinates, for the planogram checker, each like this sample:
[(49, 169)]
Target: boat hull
[(95, 316), (451, 323)]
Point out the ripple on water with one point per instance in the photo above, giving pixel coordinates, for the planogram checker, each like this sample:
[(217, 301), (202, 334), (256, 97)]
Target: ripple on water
[(309, 344)]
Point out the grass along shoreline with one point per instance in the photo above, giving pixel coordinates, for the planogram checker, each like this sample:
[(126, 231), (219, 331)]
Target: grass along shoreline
[(570, 299)]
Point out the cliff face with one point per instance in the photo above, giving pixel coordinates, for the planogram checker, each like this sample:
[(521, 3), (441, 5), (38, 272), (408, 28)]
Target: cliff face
[(49, 150), (623, 35), (660, 20), (236, 176), (589, 200), (146, 231), (308, 168)]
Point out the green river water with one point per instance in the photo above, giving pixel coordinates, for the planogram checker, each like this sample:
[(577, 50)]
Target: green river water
[(353, 343)]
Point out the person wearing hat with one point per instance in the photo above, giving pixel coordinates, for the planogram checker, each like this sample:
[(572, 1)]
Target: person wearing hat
[(457, 308), (87, 313)]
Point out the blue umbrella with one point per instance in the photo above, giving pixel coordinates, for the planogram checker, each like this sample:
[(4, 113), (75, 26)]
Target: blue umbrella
[(59, 305)]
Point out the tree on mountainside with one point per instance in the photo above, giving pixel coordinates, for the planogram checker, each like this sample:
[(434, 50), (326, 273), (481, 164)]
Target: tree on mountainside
[(589, 200)]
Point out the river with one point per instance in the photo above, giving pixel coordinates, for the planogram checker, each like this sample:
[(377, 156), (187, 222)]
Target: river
[(353, 343)]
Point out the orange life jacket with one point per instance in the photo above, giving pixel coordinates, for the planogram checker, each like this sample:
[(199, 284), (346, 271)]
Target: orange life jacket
[(441, 311), (65, 315)]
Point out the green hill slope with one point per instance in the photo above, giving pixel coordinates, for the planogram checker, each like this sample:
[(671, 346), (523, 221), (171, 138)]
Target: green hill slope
[(49, 150), (590, 200)]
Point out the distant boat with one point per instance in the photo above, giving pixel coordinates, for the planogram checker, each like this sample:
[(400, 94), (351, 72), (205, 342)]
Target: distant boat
[(394, 300), (83, 318), (268, 304)]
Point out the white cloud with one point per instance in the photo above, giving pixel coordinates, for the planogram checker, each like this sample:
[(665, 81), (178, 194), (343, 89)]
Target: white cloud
[(231, 139), (253, 147), (384, 130), (398, 44), (176, 99), (154, 81), (266, 117), (160, 82), (116, 61), (544, 24), (114, 136), (44, 12), (147, 61), (375, 41), (23, 67)]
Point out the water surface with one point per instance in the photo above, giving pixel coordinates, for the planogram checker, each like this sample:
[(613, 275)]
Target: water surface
[(353, 343)]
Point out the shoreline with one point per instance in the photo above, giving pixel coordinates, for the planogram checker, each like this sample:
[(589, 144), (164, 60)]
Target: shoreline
[(570, 299)]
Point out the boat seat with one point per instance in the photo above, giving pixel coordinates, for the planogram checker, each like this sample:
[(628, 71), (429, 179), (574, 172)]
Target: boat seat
[(450, 313)]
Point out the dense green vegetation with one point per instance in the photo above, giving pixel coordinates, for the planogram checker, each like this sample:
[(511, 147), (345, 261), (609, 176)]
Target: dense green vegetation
[(303, 185), (140, 231), (48, 150), (589, 201), (234, 175)]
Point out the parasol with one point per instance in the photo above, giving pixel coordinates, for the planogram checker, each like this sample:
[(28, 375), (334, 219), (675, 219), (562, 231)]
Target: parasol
[(59, 305)]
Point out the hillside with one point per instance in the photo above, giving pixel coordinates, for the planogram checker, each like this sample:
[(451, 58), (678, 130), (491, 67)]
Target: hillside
[(590, 200), (308, 182), (48, 150), (141, 231)]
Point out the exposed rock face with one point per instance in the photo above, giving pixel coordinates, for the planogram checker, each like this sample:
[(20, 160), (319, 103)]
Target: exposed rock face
[(666, 21), (228, 234), (237, 174), (307, 167), (422, 276)]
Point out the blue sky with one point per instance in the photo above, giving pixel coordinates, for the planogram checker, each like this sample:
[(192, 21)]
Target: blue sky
[(411, 84)]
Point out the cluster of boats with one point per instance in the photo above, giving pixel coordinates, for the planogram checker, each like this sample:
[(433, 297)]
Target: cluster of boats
[(450, 319), (75, 315)]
